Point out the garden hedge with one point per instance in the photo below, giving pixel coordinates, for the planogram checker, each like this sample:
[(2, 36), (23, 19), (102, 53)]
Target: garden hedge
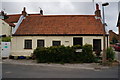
[(62, 54)]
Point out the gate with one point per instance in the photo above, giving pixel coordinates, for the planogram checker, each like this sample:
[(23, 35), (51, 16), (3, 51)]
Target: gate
[(5, 49)]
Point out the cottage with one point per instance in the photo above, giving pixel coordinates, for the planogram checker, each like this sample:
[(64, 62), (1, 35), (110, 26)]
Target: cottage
[(40, 30)]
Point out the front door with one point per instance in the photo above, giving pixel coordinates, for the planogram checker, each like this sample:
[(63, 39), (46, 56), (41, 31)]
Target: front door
[(97, 44)]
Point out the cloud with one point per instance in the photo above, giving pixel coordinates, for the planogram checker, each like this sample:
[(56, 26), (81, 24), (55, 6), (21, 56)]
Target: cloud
[(119, 6), (61, 7), (60, 0)]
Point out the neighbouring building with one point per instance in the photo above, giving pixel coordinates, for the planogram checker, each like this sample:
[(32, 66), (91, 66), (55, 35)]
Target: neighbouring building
[(5, 29), (40, 30), (113, 37), (118, 25), (7, 23)]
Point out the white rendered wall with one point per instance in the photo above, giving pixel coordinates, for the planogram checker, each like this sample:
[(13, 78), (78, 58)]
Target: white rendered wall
[(17, 48)]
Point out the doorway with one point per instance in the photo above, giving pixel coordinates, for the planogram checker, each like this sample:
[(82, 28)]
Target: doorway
[(96, 44)]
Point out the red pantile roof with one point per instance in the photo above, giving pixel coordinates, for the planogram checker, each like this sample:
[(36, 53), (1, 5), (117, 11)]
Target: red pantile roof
[(60, 24), (12, 19)]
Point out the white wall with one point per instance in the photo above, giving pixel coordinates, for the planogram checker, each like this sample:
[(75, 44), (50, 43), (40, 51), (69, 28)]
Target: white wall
[(18, 42), (5, 29)]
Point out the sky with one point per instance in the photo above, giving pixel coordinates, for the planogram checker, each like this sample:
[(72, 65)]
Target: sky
[(65, 7)]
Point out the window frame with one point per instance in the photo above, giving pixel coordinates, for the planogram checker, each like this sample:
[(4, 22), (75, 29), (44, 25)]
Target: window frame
[(56, 41), (41, 40), (78, 38), (25, 44)]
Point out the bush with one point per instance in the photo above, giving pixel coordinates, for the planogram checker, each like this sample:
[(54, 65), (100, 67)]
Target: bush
[(62, 54), (77, 47), (88, 53), (110, 54), (6, 39), (98, 53)]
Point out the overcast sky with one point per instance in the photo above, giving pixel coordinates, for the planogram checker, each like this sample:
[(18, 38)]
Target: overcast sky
[(64, 7)]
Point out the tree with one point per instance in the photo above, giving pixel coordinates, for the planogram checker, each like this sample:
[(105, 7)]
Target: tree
[(114, 40)]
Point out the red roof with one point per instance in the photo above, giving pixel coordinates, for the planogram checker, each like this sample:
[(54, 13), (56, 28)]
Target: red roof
[(60, 24), (12, 19)]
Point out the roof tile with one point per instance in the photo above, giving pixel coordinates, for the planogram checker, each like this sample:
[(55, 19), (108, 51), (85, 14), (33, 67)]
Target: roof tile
[(60, 24)]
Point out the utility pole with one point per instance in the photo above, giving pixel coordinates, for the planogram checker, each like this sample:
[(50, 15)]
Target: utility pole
[(104, 33)]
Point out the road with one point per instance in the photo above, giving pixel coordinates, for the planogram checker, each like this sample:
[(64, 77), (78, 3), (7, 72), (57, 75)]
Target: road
[(32, 71), (35, 71)]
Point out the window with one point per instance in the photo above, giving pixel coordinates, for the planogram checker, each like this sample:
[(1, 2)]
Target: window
[(96, 44), (40, 43), (56, 43), (77, 41), (28, 44)]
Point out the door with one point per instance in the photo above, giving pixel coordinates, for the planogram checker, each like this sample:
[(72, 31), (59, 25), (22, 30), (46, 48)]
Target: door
[(97, 44), (77, 41)]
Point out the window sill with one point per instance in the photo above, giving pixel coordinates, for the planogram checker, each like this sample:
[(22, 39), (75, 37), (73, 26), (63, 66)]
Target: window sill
[(27, 48), (96, 50)]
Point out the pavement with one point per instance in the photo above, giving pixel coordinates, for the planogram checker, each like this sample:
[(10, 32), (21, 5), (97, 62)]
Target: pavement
[(91, 66), (117, 56)]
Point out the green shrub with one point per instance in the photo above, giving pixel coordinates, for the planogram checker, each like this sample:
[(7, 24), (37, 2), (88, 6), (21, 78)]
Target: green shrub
[(110, 54), (98, 53), (6, 39), (77, 47), (88, 53), (111, 42), (62, 54)]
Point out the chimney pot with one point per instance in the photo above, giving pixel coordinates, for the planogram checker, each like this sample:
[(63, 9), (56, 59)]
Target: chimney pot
[(41, 11), (24, 9), (24, 13), (97, 7)]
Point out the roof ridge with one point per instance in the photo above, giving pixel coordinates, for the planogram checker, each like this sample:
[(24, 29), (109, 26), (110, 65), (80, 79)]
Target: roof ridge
[(51, 15), (64, 15), (14, 14)]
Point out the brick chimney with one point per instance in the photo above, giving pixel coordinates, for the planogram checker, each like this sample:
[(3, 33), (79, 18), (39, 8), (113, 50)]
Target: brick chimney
[(3, 15), (98, 12), (24, 13)]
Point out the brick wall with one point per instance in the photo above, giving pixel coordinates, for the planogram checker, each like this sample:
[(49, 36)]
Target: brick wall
[(113, 35)]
